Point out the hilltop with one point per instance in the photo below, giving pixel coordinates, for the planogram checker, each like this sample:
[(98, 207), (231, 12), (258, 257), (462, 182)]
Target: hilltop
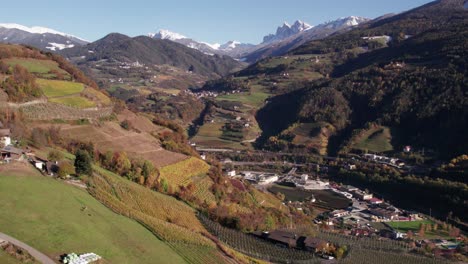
[(123, 49)]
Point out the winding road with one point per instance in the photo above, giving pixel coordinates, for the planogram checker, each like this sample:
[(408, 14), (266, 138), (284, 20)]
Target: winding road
[(34, 252)]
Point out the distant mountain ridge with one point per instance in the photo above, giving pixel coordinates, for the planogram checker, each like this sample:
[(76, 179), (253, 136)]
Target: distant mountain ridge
[(39, 37), (121, 48), (286, 40), (231, 48)]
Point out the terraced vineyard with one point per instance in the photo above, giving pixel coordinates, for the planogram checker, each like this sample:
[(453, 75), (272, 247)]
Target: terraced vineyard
[(202, 189), (50, 111), (181, 173), (170, 220)]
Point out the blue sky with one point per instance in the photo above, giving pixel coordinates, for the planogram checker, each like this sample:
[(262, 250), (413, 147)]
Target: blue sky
[(204, 20)]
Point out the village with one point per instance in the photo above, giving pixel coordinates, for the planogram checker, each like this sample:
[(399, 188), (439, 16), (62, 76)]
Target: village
[(363, 215)]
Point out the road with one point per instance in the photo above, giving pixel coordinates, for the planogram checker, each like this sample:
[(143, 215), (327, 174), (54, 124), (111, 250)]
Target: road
[(34, 252)]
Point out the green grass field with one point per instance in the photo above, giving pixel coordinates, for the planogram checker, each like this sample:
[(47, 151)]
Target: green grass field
[(410, 225), (35, 65), (52, 88), (414, 227), (7, 259), (376, 140), (74, 101), (255, 98), (57, 218)]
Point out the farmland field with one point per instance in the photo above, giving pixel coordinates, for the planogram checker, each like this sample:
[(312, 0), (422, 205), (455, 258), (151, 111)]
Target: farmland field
[(74, 101), (97, 96), (53, 88), (68, 219), (256, 98), (110, 136), (35, 65), (169, 219), (376, 140), (181, 173)]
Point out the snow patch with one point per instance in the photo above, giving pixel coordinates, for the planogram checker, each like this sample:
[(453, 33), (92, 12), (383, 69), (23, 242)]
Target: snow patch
[(166, 34), (215, 46), (57, 46)]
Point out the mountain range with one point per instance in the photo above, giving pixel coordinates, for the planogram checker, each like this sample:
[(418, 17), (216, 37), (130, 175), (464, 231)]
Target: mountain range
[(286, 37), (39, 37)]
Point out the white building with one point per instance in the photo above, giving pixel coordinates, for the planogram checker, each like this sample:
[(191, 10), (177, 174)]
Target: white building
[(5, 138), (267, 179), (231, 173)]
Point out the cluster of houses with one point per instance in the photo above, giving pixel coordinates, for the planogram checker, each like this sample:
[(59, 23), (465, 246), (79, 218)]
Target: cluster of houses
[(9, 153), (385, 160), (260, 178), (364, 210)]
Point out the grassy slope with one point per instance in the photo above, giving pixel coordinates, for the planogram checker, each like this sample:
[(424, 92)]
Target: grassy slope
[(171, 220), (35, 65), (48, 215), (7, 259), (53, 88), (375, 139)]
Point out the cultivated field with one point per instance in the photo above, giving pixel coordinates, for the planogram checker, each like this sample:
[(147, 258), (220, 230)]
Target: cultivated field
[(110, 136), (181, 173), (255, 98), (57, 218), (54, 88), (170, 220), (35, 65), (51, 111), (74, 101)]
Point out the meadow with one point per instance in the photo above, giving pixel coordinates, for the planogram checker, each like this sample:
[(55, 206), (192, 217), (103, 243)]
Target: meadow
[(57, 218), (54, 88), (376, 139), (35, 65)]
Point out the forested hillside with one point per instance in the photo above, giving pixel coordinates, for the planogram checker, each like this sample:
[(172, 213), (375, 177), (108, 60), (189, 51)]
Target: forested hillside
[(415, 84)]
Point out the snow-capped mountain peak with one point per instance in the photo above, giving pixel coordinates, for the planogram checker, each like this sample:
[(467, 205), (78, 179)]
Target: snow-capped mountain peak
[(286, 31), (166, 34), (350, 21), (300, 26), (37, 30)]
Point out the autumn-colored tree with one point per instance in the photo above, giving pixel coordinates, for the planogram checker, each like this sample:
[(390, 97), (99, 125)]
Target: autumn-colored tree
[(65, 169), (121, 163), (422, 229)]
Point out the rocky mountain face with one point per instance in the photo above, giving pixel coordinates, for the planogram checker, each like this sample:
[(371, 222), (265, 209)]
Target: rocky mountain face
[(286, 31)]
